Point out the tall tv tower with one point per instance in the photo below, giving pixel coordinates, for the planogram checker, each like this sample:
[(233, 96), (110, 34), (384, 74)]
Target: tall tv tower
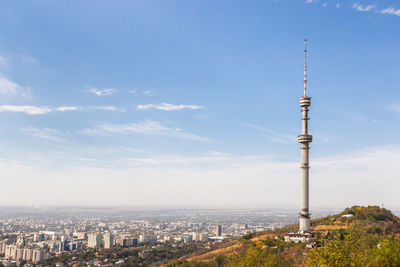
[(305, 139)]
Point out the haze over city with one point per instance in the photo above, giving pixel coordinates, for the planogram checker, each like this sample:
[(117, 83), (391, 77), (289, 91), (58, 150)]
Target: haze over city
[(195, 103)]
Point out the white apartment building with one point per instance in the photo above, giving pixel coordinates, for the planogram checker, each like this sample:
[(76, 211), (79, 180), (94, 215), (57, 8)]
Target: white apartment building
[(199, 236), (37, 255), (108, 240), (94, 240), (147, 238)]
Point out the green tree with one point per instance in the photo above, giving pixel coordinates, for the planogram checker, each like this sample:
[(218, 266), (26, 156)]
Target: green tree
[(354, 250), (221, 260), (387, 253)]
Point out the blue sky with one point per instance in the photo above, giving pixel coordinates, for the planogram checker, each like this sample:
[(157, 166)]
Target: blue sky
[(196, 102)]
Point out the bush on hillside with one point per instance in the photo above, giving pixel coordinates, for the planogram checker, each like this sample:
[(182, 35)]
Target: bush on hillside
[(370, 213)]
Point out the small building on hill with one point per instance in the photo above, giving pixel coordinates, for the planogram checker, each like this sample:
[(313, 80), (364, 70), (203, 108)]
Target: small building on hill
[(348, 215), (297, 237)]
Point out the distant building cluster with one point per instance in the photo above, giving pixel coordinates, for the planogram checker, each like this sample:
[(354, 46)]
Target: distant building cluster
[(36, 247), (35, 239), (17, 253)]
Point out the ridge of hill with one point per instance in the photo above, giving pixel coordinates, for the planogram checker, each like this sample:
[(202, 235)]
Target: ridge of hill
[(364, 236)]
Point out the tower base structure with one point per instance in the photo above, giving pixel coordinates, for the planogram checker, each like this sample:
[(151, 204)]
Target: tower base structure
[(300, 237), (304, 224), (303, 235)]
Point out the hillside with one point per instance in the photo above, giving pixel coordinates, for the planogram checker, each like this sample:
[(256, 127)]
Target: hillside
[(364, 236)]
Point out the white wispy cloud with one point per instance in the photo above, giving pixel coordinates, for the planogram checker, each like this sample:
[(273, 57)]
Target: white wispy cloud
[(390, 11), (394, 107), (46, 133), (31, 110), (27, 58), (309, 1), (104, 92), (357, 117), (284, 138), (147, 92), (70, 108), (37, 110), (110, 108), (106, 150), (362, 8), (337, 5), (148, 127), (168, 107), (3, 62), (212, 158), (10, 88), (275, 136), (325, 138), (34, 110), (132, 92), (352, 115)]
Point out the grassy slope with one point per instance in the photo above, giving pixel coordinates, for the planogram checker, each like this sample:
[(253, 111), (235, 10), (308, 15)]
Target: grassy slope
[(376, 220)]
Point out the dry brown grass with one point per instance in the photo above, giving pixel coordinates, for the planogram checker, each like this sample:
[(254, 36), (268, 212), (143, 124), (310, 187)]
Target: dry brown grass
[(230, 250), (324, 227), (262, 237)]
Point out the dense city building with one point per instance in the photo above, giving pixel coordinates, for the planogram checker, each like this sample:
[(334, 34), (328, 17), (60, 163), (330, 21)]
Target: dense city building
[(25, 236), (93, 240)]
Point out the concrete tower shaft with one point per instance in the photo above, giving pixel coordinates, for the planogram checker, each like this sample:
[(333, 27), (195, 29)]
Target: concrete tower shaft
[(305, 139)]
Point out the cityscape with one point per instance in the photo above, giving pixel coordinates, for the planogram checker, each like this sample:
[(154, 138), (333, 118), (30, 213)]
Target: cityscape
[(33, 235)]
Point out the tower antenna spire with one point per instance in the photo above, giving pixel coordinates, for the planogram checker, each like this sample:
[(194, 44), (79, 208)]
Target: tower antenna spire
[(305, 67)]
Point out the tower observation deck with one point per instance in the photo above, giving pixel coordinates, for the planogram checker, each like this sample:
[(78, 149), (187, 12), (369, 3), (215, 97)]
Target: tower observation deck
[(305, 139)]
